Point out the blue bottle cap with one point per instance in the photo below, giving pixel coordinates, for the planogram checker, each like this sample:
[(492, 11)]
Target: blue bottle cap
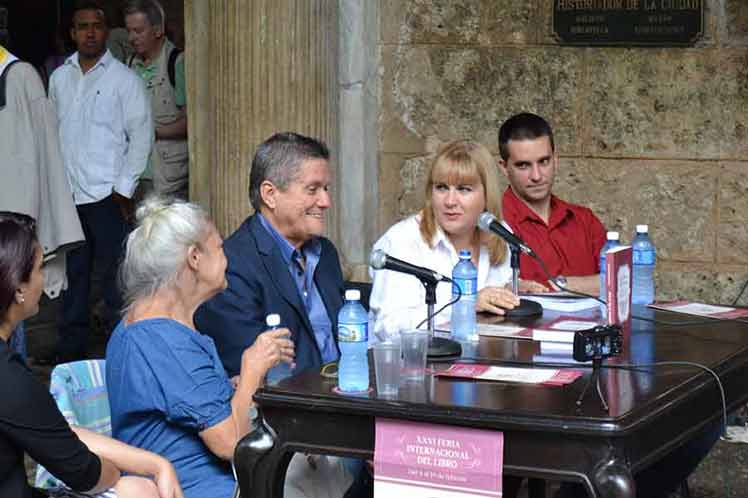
[(464, 254)]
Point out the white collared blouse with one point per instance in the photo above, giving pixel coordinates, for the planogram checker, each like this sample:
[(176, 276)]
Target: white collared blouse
[(398, 300)]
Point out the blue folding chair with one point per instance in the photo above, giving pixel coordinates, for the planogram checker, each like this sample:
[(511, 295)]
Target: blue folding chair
[(79, 388)]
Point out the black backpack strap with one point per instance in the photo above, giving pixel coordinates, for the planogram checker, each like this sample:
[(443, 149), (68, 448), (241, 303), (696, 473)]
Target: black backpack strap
[(132, 59), (171, 67), (4, 77)]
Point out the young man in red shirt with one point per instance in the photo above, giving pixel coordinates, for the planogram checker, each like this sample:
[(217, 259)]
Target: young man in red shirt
[(567, 237)]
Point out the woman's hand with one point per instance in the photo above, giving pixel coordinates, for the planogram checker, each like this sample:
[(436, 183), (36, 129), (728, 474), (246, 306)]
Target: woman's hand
[(495, 300), (235, 381), (167, 482), (269, 349)]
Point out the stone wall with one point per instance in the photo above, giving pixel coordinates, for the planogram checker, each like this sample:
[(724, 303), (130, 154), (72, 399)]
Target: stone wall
[(646, 135)]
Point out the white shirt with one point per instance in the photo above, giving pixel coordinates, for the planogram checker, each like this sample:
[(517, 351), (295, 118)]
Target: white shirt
[(106, 131), (398, 300)]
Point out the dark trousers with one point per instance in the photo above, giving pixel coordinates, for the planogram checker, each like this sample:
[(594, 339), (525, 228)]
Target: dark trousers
[(105, 230)]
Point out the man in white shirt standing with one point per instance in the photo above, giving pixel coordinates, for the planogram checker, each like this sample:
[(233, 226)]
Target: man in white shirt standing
[(106, 134)]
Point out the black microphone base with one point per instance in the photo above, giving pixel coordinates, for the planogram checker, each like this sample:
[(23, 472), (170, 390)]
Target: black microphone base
[(440, 347), (526, 309)]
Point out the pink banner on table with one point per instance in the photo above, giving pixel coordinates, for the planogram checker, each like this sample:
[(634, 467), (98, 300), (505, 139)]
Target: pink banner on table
[(421, 460)]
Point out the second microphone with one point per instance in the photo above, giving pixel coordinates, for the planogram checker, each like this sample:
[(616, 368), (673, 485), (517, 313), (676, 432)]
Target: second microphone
[(380, 260)]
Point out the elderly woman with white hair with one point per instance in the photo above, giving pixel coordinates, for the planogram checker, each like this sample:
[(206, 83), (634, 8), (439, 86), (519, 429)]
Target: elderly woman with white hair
[(168, 390)]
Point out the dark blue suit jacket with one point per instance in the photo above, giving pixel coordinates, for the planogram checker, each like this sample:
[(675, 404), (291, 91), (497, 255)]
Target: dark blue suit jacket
[(259, 283)]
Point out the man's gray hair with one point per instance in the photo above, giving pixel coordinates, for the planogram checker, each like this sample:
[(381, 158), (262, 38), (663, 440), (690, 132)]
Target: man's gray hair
[(150, 8), (157, 248), (278, 160)]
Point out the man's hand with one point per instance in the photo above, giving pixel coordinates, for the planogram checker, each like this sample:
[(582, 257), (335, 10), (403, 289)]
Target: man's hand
[(173, 131), (555, 287), (589, 284), (126, 206)]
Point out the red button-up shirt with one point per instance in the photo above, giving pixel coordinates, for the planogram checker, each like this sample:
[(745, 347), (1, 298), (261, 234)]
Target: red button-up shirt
[(569, 244)]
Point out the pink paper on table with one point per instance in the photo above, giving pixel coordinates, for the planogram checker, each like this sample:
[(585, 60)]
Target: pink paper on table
[(465, 370), (563, 377), (702, 309), (420, 460), (543, 376)]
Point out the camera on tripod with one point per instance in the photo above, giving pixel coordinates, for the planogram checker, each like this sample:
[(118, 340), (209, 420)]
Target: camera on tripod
[(598, 343)]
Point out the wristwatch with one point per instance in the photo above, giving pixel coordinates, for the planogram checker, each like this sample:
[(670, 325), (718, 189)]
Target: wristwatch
[(560, 280)]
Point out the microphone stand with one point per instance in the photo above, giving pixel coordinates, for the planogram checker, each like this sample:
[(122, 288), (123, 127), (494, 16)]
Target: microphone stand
[(438, 346), (526, 308)]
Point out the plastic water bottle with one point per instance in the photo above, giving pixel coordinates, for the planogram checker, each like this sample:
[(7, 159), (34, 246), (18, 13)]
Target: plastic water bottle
[(465, 276), (613, 241), (353, 335), (644, 258), (282, 369)]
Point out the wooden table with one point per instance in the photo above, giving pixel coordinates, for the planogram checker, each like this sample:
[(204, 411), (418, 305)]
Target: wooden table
[(651, 411)]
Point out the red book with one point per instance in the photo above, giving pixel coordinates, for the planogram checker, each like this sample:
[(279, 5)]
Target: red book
[(618, 277)]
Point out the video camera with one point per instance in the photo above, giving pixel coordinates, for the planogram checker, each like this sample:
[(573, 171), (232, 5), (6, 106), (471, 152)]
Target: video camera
[(598, 343)]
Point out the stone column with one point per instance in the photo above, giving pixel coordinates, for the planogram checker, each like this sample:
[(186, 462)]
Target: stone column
[(255, 68), (358, 178)]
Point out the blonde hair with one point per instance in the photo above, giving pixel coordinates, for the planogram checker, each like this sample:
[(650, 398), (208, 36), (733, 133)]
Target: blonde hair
[(464, 162)]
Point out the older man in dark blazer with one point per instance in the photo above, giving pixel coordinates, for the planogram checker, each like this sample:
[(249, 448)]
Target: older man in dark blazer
[(278, 261)]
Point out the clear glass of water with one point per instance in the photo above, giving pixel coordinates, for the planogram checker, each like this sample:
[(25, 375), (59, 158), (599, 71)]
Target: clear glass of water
[(387, 365), (414, 344)]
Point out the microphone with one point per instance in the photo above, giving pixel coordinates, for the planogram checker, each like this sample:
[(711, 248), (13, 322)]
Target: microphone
[(488, 223), (380, 260), (438, 346)]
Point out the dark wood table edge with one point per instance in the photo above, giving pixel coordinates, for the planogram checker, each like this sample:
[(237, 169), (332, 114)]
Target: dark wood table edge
[(697, 392)]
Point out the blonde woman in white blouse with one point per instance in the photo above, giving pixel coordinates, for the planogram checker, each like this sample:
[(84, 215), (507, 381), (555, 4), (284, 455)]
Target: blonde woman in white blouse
[(462, 183)]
